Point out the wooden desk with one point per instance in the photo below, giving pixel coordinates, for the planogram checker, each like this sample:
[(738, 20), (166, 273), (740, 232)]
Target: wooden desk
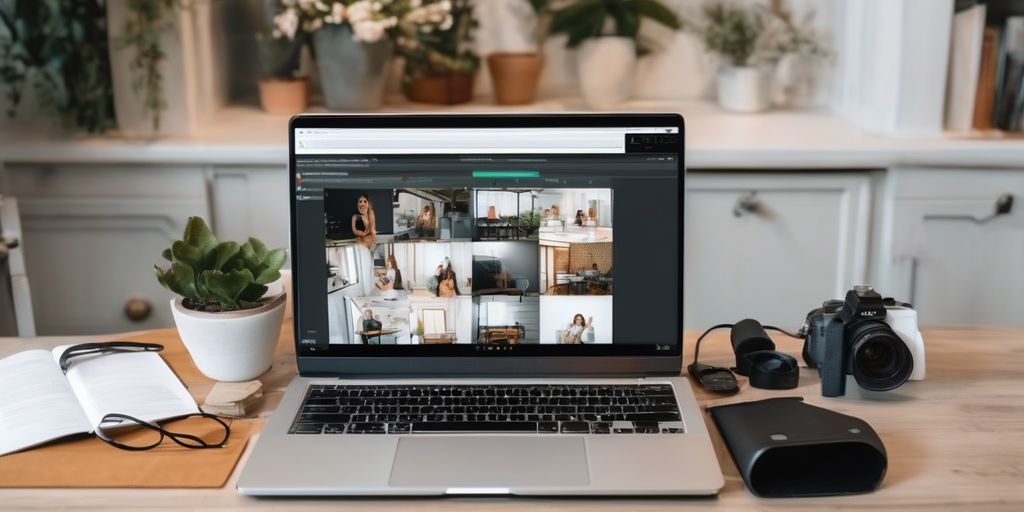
[(955, 440)]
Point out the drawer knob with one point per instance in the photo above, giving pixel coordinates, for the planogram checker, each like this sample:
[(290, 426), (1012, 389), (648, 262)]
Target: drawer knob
[(747, 203), (137, 309)]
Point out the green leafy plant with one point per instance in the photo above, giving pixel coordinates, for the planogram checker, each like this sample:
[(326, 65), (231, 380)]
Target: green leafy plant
[(530, 220), (586, 19), (58, 50), (731, 32), (440, 49), (218, 276), (419, 328), (148, 20)]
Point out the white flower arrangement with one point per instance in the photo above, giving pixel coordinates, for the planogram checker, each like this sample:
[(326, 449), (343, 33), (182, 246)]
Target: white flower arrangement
[(371, 20)]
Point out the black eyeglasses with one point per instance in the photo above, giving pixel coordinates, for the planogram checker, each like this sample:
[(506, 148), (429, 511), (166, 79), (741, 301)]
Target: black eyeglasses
[(130, 433), (104, 348)]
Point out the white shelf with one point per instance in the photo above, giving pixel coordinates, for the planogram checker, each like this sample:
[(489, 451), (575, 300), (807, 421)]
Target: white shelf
[(783, 139)]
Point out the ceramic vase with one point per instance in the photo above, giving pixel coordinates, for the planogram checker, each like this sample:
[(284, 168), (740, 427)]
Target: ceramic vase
[(744, 88), (353, 74), (605, 66), (231, 346)]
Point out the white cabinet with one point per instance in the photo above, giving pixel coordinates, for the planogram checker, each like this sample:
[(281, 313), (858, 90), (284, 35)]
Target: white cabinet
[(251, 201), (91, 235), (943, 248), (771, 246)]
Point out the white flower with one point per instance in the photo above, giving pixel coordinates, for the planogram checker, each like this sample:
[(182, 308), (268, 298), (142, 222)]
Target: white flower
[(447, 23), (359, 11), (368, 31), (287, 23), (337, 15)]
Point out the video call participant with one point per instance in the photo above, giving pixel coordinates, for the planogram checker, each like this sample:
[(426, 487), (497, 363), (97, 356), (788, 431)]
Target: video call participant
[(573, 334), (364, 222), (392, 278), (370, 324), (426, 223)]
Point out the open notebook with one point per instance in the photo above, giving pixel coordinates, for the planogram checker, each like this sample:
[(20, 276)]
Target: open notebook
[(39, 403)]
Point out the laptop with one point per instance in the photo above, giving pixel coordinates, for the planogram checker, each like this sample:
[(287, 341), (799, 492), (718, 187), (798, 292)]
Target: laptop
[(486, 305)]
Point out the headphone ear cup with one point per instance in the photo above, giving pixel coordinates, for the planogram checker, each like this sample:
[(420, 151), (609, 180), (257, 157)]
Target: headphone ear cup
[(768, 369)]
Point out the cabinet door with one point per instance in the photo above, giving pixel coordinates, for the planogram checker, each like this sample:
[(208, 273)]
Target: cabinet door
[(252, 201), (945, 250), (771, 246), (91, 236)]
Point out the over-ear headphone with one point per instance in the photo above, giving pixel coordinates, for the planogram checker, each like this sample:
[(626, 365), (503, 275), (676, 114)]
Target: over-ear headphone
[(756, 358)]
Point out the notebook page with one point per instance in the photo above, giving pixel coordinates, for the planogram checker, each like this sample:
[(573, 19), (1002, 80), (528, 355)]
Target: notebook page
[(139, 384), (36, 402)]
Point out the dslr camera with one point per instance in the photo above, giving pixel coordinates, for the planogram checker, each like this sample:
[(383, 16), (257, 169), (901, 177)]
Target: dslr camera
[(873, 339)]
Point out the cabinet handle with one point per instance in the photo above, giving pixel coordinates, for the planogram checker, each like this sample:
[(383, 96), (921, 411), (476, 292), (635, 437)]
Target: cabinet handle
[(747, 203), (6, 244), (1003, 206), (137, 309)]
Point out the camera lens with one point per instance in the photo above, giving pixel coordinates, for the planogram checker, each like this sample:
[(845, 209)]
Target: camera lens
[(881, 360)]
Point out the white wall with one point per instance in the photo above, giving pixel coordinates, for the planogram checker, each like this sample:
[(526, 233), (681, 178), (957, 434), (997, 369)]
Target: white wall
[(556, 313)]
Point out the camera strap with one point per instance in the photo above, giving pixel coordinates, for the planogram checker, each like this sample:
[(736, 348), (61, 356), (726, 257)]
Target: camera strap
[(765, 369)]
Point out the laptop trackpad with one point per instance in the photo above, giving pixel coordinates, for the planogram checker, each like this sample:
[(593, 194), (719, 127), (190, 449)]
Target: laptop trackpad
[(490, 461)]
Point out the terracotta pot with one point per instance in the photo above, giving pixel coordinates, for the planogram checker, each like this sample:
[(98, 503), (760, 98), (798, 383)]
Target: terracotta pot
[(445, 88), (279, 96), (515, 77)]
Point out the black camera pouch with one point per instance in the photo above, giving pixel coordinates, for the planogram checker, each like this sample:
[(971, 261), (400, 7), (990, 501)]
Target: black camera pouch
[(786, 448)]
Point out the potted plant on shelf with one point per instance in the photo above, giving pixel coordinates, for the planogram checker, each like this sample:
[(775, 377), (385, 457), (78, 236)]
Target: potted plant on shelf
[(62, 73), (282, 91), (796, 47), (352, 44), (440, 64), (605, 33), (227, 315), (515, 74), (735, 35)]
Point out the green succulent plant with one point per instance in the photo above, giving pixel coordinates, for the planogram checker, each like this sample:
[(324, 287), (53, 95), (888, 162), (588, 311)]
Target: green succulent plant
[(218, 276)]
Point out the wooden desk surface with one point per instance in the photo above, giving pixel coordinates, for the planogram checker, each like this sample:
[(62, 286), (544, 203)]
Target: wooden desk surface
[(955, 440)]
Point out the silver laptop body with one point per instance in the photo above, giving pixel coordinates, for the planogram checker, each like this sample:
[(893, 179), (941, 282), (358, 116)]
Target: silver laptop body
[(450, 280)]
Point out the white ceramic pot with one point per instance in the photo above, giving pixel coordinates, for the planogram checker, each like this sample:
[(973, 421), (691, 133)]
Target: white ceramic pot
[(232, 346), (744, 88), (605, 66)]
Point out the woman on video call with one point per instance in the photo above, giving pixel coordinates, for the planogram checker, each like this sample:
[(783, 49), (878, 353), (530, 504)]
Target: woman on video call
[(573, 334), (447, 285), (392, 278), (425, 222), (364, 223)]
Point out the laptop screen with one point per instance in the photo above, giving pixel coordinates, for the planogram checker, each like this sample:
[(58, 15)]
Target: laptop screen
[(487, 240)]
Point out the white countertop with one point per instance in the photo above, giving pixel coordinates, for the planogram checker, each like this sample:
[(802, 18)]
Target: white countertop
[(781, 139)]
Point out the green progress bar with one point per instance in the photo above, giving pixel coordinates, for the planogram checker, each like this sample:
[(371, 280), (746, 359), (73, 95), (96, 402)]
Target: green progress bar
[(506, 174)]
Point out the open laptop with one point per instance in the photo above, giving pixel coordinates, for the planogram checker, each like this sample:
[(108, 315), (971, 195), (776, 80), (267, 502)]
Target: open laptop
[(486, 304)]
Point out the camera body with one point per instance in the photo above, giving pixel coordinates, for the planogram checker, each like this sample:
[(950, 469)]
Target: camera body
[(875, 340)]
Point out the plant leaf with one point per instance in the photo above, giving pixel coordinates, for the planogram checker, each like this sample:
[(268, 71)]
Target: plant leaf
[(198, 234), (656, 11), (258, 247), (167, 255), (188, 254), (227, 287), (268, 270), (252, 293), (223, 253)]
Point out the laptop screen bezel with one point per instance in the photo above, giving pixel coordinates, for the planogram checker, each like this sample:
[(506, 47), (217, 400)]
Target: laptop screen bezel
[(611, 359)]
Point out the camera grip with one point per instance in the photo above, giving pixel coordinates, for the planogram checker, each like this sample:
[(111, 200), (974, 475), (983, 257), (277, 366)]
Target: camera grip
[(831, 370)]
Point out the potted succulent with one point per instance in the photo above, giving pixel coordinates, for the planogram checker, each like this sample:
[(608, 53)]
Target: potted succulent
[(282, 91), (440, 64), (227, 316), (605, 33), (515, 74), (735, 34)]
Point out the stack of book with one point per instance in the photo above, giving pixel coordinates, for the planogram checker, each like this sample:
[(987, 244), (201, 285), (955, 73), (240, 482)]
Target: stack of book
[(985, 88)]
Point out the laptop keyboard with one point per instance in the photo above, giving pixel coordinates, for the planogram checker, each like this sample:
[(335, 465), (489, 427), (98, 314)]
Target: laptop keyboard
[(521, 409)]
